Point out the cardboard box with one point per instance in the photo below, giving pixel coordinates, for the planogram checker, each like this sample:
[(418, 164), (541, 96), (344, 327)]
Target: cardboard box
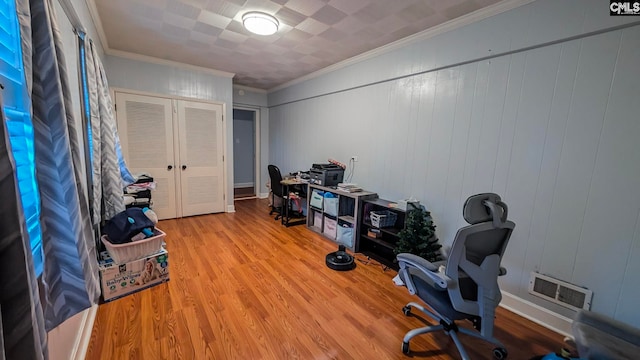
[(117, 281), (374, 233)]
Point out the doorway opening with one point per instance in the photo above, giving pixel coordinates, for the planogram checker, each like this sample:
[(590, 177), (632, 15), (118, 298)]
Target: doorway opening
[(245, 176)]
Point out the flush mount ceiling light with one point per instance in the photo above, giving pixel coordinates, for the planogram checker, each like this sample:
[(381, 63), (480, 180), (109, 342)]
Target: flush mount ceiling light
[(260, 23)]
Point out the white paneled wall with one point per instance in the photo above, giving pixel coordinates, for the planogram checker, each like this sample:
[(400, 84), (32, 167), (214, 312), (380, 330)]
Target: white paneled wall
[(553, 129)]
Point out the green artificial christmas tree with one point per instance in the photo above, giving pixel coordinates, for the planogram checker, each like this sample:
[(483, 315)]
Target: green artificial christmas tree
[(419, 236)]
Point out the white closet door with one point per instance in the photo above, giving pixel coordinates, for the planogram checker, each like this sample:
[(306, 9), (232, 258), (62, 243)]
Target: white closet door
[(145, 126), (201, 166)]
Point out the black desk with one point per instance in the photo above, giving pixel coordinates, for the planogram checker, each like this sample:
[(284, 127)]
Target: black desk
[(287, 219)]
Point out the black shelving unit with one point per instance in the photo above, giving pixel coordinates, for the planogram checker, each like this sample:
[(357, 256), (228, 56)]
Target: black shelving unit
[(380, 248)]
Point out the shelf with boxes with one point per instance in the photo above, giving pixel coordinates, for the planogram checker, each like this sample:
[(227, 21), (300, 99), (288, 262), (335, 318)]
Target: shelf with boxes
[(379, 228), (334, 213)]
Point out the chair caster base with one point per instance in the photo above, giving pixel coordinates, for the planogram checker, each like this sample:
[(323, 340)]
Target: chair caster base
[(406, 310), (405, 348), (500, 353)]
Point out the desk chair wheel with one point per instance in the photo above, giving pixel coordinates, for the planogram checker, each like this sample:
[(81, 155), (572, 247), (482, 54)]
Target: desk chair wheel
[(406, 310), (500, 353), (405, 348)]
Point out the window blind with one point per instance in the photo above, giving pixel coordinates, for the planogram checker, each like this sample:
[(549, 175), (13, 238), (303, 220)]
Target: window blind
[(19, 125)]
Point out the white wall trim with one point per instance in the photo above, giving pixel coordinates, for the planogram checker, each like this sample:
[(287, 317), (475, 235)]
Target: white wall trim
[(456, 23), (263, 195), (158, 61), (114, 90), (537, 314), (231, 208), (249, 88), (84, 335), (241, 185)]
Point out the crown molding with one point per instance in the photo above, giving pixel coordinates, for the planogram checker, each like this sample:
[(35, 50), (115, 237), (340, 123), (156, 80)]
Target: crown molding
[(158, 61), (93, 11), (249, 88), (450, 25)]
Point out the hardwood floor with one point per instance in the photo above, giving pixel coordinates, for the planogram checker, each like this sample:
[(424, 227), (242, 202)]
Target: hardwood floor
[(244, 192), (244, 287)]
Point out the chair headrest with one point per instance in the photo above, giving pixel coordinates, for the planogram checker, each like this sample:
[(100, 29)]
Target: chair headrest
[(483, 208)]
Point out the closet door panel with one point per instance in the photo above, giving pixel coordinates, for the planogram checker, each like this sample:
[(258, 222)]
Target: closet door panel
[(201, 150), (145, 126)]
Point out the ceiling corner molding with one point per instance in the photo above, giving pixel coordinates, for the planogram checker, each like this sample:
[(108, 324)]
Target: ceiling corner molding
[(93, 12), (249, 88), (450, 25), (158, 61)]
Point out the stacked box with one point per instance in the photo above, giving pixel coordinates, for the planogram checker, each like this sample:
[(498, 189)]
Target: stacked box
[(118, 280)]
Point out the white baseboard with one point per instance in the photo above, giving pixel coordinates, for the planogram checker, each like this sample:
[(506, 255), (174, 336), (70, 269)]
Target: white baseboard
[(243, 185), (84, 335), (263, 195), (231, 208), (537, 314)]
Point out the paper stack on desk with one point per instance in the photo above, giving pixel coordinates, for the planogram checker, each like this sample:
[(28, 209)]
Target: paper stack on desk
[(348, 187)]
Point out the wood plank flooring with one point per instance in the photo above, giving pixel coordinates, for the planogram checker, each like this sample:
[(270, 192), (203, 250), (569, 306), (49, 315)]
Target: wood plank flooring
[(244, 287)]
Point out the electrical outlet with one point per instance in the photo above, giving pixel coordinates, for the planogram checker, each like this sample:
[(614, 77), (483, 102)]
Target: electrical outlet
[(354, 158)]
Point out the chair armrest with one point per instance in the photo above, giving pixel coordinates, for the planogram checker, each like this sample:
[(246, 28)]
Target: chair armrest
[(431, 272)]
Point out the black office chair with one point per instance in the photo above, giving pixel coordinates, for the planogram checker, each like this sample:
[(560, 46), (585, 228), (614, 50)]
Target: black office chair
[(465, 286), (277, 189)]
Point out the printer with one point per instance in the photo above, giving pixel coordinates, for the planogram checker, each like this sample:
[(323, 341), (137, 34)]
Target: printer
[(326, 174)]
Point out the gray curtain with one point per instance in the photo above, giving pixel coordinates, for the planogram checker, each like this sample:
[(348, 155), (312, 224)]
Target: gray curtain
[(70, 275), (22, 334), (106, 175)]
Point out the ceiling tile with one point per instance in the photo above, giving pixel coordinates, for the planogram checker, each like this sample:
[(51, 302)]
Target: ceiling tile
[(349, 7), (306, 7), (289, 16), (214, 19), (312, 26), (182, 9), (329, 15), (313, 33), (206, 29)]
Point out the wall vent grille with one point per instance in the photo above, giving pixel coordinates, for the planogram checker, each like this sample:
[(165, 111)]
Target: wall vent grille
[(560, 292)]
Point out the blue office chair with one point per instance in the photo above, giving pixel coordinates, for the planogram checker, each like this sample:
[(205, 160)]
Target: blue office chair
[(465, 285)]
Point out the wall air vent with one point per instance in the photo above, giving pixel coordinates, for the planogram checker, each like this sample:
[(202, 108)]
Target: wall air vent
[(560, 292)]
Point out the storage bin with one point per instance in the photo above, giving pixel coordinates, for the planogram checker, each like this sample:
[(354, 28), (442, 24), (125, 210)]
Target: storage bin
[(330, 227), (317, 219), (383, 218), (345, 235), (331, 206), (316, 199), (124, 253)]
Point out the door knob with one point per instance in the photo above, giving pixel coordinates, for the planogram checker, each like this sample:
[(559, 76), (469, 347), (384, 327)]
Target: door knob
[(169, 167), (184, 167)]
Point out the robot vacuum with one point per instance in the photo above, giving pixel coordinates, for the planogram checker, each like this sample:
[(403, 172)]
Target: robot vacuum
[(340, 260)]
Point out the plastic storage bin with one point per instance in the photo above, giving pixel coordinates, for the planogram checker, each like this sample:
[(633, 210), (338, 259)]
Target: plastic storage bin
[(124, 253), (384, 218)]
